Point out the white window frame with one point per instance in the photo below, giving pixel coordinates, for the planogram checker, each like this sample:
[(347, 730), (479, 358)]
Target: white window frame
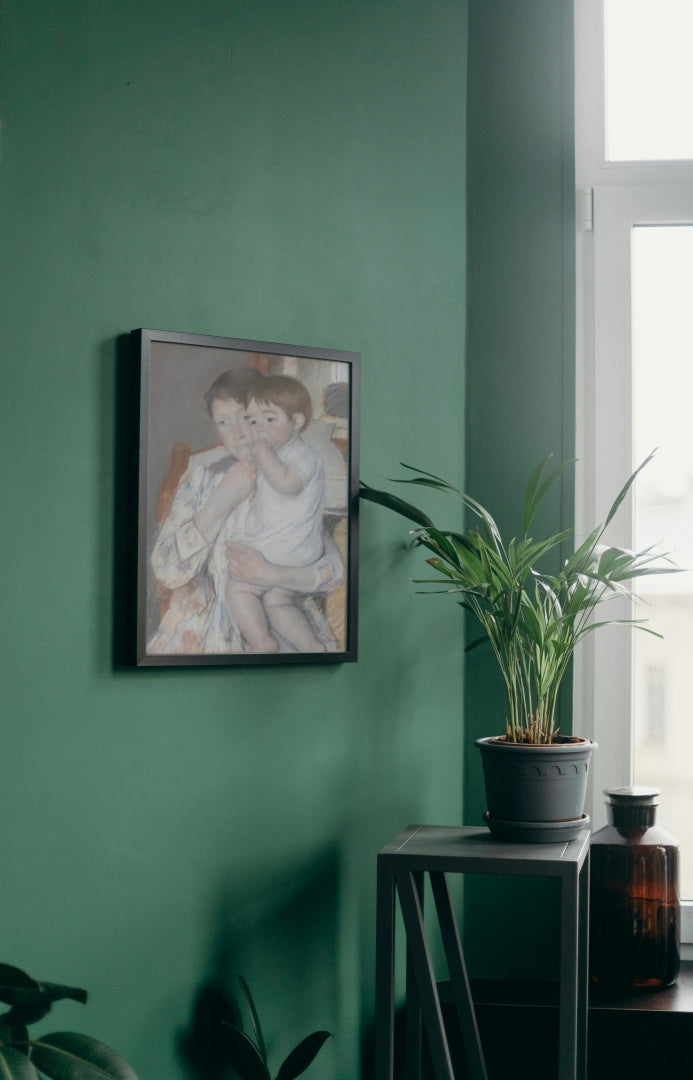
[(611, 198)]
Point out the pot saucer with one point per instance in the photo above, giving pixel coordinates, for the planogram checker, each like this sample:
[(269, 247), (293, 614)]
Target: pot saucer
[(535, 832)]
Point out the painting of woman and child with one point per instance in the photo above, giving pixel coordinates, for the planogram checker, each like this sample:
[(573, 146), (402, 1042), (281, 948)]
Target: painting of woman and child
[(248, 483)]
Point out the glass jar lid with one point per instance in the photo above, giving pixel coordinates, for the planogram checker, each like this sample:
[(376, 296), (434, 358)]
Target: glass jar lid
[(632, 796)]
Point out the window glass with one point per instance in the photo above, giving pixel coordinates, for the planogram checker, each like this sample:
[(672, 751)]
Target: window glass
[(662, 356), (649, 79)]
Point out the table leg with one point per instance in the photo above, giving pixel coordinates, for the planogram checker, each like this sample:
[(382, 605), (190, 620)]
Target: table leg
[(583, 968), (385, 971), (425, 978), (568, 984), (413, 1043), (458, 977)]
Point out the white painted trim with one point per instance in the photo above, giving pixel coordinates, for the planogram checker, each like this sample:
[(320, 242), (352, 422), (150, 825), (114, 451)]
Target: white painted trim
[(625, 194), (602, 699)]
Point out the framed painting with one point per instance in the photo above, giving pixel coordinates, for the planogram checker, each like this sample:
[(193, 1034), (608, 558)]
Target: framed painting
[(248, 501)]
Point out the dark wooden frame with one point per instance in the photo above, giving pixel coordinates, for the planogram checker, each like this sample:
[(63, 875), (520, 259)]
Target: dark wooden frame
[(173, 365)]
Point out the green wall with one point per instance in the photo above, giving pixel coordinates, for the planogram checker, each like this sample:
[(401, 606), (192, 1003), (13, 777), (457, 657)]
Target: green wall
[(520, 364), (280, 171), (290, 172)]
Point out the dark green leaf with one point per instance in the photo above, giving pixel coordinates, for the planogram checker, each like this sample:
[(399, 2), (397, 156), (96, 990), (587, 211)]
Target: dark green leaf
[(490, 525), (531, 625), (12, 978), (477, 641), (531, 551), (435, 542), (253, 1017), (440, 566), (243, 1055), (301, 1056), (430, 475), (66, 1055), (404, 509), (30, 999), (423, 481), (583, 556), (14, 1033), (16, 1066), (444, 545), (466, 557)]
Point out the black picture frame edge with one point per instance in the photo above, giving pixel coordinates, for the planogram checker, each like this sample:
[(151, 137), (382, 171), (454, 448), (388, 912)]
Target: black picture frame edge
[(141, 339)]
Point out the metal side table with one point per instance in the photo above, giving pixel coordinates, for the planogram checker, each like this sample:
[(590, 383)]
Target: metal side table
[(437, 851)]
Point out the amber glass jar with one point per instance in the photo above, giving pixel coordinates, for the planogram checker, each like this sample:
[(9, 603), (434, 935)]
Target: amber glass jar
[(635, 919)]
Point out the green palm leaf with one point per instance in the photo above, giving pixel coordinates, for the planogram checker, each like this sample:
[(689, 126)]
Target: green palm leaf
[(432, 476), (393, 503), (532, 618), (625, 489), (537, 489)]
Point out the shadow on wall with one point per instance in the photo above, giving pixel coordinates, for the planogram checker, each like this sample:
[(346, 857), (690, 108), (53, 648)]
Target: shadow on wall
[(279, 930)]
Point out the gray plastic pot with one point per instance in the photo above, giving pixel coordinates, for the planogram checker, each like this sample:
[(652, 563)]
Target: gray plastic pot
[(536, 794)]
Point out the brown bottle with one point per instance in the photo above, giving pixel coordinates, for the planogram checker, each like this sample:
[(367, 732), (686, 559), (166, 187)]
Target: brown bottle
[(635, 916)]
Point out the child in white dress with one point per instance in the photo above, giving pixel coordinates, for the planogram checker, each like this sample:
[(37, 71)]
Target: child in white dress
[(284, 515)]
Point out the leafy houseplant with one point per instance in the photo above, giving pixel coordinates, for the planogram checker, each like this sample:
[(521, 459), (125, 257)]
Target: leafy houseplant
[(532, 617), (216, 1040), (64, 1055)]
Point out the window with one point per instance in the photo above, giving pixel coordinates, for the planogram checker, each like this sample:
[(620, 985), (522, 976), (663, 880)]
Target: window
[(648, 80), (634, 165), (651, 708)]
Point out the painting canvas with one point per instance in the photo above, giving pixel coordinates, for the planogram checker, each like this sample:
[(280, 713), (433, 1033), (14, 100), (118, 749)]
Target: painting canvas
[(248, 501)]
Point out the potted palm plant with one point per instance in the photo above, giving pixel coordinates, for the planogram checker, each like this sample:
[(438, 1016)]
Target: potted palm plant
[(533, 618)]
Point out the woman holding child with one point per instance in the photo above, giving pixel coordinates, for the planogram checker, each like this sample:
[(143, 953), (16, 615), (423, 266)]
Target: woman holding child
[(242, 547)]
